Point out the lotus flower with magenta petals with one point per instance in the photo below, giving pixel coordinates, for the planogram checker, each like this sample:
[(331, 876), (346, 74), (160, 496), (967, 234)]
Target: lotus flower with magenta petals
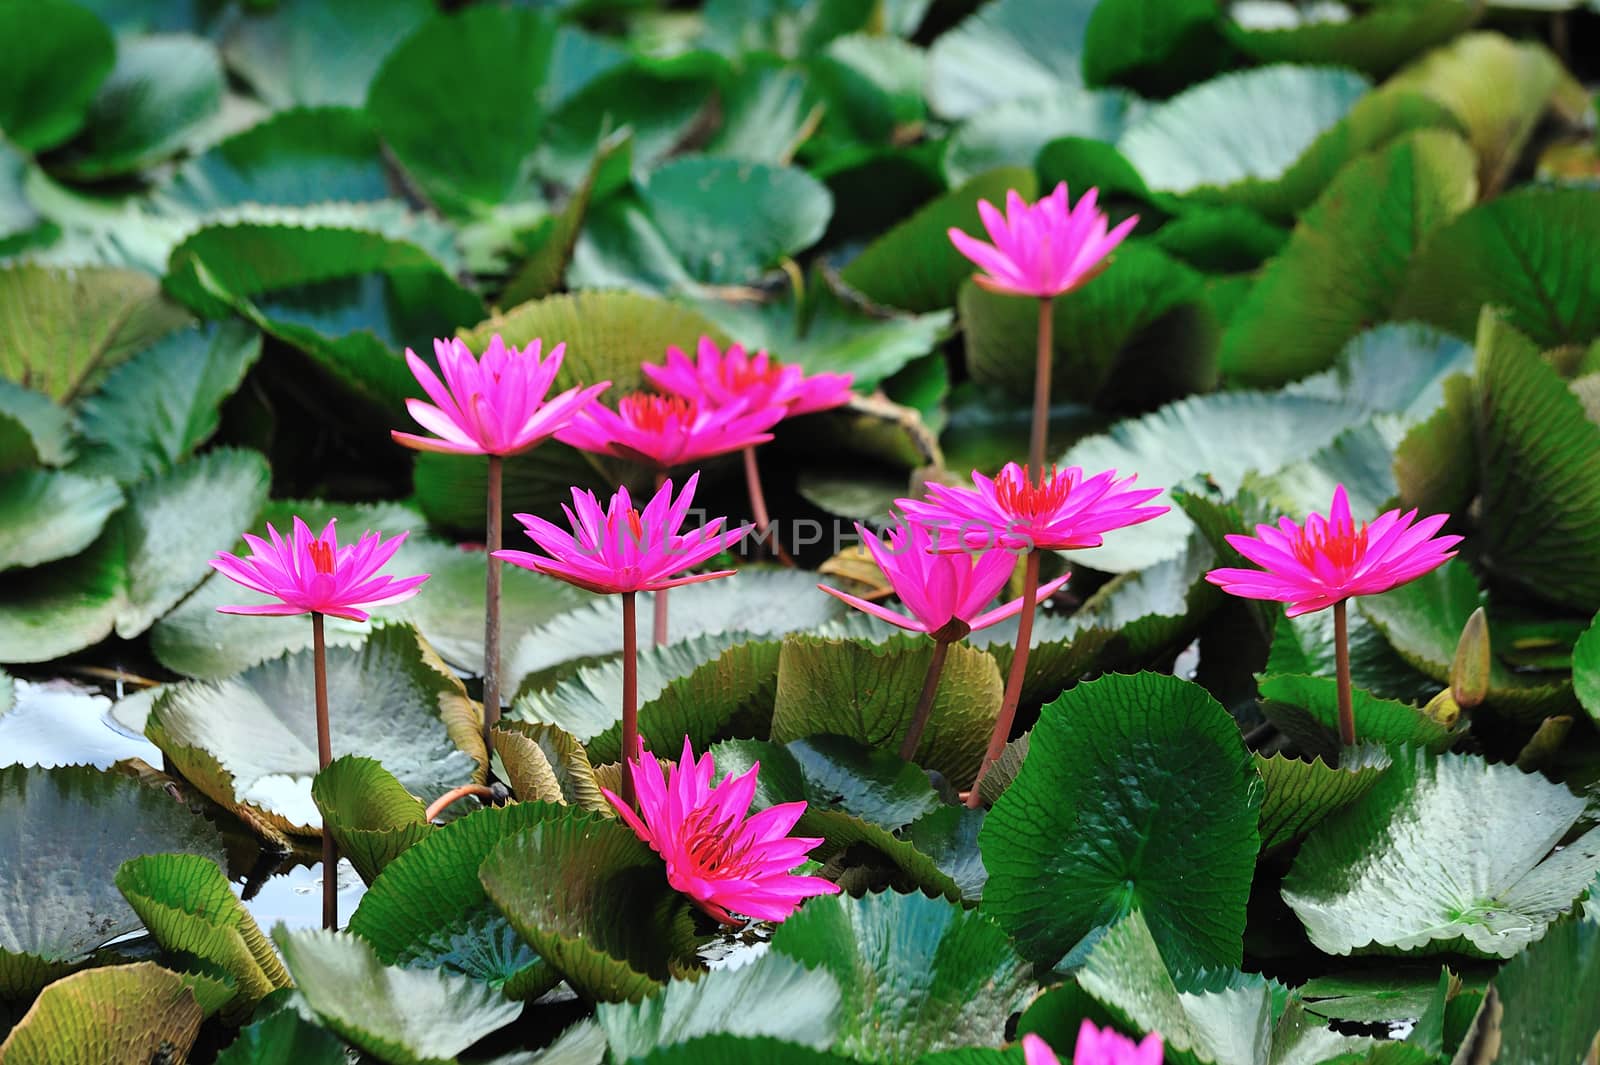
[(718, 378), (724, 858), (667, 431), (1042, 249), (496, 405), (314, 575), (1096, 1046)]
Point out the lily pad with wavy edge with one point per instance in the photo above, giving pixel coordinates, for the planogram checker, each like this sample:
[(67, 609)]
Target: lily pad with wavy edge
[(56, 55), (1586, 668), (371, 815), (1563, 967), (916, 974), (1138, 793), (545, 763), (1376, 41), (189, 907), (46, 515), (34, 431), (1301, 795), (1306, 708), (561, 884), (868, 692), (402, 1016), (250, 741), (998, 54), (284, 1038), (1401, 871), (732, 1001), (739, 1050), (64, 834), (137, 1012), (428, 909)]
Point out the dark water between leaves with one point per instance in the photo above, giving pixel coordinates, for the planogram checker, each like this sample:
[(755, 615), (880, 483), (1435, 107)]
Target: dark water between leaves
[(59, 723)]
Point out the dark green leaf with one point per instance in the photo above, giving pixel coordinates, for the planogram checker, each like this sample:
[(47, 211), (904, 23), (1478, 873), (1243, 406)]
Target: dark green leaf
[(308, 53), (54, 56), (1376, 41), (371, 815), (738, 1050), (1306, 708), (284, 1038), (1564, 968)]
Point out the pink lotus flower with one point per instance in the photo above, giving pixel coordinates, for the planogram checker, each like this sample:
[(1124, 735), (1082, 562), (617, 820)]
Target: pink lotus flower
[(1329, 560), (1059, 512), (314, 575), (944, 591), (1096, 1046), (493, 406), (666, 431), (716, 379), (1041, 249), (619, 549), (726, 862)]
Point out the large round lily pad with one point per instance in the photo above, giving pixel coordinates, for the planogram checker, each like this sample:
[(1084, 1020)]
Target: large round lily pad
[(63, 835)]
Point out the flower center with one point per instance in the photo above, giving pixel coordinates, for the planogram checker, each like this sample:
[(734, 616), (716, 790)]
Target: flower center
[(1342, 547), (745, 373), (656, 414), (709, 843), (631, 519), (1018, 493), (321, 556)]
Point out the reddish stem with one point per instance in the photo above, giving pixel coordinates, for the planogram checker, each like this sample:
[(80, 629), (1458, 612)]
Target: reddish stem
[(1341, 654), (491, 612), (758, 505), (930, 689), (630, 691), (449, 798), (1019, 669), (330, 853)]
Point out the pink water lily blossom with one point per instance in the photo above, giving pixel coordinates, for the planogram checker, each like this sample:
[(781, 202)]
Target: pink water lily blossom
[(1096, 1046), (314, 575), (617, 548), (1042, 249), (1328, 559), (667, 431), (718, 378), (497, 405), (944, 592), (725, 859), (1059, 510)]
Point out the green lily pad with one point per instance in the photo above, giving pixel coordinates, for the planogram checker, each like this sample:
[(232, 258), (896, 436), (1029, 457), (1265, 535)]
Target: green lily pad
[(695, 688), (1361, 459), (1376, 41), (284, 1038), (868, 692), (914, 265), (1586, 668), (1224, 435), (1399, 367), (756, 602), (1155, 47), (349, 298), (1347, 259), (467, 151), (1530, 252), (56, 609), (998, 53), (1138, 793), (250, 741), (1301, 795), (1196, 141), (61, 330), (429, 910), (55, 56), (137, 1012), (1400, 871), (1303, 646), (403, 1016), (561, 884), (153, 411), (64, 834), (304, 53), (1223, 239), (295, 158), (33, 430), (732, 1001), (1423, 620), (870, 86), (189, 907), (1306, 709), (158, 98), (1563, 967), (739, 1050), (1012, 133), (51, 514), (915, 974), (543, 762), (372, 817)]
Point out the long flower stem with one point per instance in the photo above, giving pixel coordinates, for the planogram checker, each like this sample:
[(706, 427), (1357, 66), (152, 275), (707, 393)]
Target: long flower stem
[(449, 798), (330, 853), (930, 689), (630, 690), (1341, 655), (1041, 385), (758, 505), (491, 606), (1019, 669), (659, 634)]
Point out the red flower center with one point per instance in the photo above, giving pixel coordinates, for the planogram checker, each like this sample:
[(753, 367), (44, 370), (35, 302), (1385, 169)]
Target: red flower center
[(710, 845), (741, 375), (631, 517), (655, 414), (321, 556), (1022, 497), (1342, 547)]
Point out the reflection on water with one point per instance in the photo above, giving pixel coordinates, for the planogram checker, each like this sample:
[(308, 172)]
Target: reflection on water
[(290, 892), (57, 723)]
